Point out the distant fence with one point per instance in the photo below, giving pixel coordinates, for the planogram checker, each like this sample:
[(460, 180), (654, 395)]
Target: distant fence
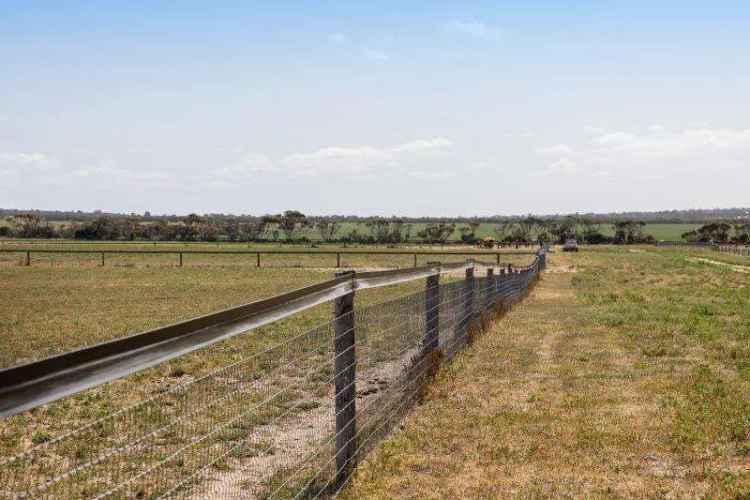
[(308, 241), (289, 421), (180, 255), (740, 250)]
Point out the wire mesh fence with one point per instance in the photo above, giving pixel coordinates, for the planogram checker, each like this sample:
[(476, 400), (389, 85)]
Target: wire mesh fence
[(290, 421)]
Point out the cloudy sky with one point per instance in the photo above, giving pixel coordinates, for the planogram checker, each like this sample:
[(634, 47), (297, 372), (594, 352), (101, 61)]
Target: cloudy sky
[(409, 108)]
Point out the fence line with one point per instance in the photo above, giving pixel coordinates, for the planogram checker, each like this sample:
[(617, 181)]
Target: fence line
[(288, 421), (740, 250), (180, 254)]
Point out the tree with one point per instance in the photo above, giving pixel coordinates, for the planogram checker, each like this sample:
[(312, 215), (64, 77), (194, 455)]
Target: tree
[(290, 221), (630, 231), (715, 232), (503, 230), (526, 228), (592, 231), (468, 232), (31, 226), (437, 233), (742, 233), (327, 228), (232, 230), (253, 231)]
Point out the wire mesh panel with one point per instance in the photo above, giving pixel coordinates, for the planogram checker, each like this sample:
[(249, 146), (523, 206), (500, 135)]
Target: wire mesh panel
[(258, 415)]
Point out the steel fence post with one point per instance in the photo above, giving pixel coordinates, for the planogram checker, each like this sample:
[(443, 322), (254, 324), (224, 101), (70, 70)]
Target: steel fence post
[(344, 384), (432, 312)]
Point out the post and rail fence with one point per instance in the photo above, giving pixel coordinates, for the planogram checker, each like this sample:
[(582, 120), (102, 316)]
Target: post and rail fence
[(291, 420), (182, 254)]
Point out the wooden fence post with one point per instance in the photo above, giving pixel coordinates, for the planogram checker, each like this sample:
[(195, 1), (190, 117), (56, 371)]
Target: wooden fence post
[(489, 295), (469, 304), (498, 258), (338, 259), (432, 313), (344, 381), (257, 259), (28, 258), (180, 259), (415, 260), (102, 259)]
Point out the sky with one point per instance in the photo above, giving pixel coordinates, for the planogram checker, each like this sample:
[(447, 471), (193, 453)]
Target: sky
[(374, 108)]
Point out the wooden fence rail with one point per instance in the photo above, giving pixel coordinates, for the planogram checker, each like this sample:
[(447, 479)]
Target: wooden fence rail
[(27, 252)]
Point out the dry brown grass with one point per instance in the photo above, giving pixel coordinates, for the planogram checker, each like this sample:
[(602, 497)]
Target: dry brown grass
[(564, 398)]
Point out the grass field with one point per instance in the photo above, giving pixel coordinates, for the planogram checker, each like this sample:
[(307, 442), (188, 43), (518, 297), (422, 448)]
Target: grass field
[(308, 260), (49, 309), (626, 374)]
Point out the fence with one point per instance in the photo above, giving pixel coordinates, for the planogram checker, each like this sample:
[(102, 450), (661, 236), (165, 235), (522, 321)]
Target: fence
[(742, 251), (289, 421), (182, 254)]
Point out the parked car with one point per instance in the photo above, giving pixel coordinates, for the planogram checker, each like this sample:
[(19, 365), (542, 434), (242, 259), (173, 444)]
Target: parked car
[(570, 246)]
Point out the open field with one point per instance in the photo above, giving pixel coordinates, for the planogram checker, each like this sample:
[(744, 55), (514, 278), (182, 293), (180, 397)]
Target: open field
[(59, 307), (625, 374), (61, 303), (51, 253), (51, 309)]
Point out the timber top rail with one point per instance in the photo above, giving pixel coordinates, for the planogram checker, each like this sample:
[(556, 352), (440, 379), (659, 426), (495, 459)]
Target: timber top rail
[(258, 252), (270, 252)]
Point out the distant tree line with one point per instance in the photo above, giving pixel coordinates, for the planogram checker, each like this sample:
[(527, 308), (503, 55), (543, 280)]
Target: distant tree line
[(293, 226), (720, 232), (698, 216)]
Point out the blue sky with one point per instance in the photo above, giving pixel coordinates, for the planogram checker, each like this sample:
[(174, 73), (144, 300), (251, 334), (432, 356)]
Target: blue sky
[(412, 108)]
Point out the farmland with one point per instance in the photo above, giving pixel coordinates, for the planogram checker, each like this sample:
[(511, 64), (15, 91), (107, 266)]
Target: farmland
[(65, 302), (646, 342), (660, 231), (625, 374)]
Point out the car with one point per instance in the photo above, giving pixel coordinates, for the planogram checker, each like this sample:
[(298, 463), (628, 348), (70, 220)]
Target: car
[(570, 246)]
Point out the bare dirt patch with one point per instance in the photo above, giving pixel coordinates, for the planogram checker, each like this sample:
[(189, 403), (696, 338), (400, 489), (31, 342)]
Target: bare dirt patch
[(734, 267)]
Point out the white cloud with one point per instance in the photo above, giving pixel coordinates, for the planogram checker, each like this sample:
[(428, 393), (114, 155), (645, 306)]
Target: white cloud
[(423, 145), (656, 129), (472, 28), (249, 165), (359, 159), (421, 174), (109, 171), (686, 144), (376, 55), (337, 37), (564, 166), (654, 153), (614, 138), (35, 160), (557, 149), (594, 130)]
